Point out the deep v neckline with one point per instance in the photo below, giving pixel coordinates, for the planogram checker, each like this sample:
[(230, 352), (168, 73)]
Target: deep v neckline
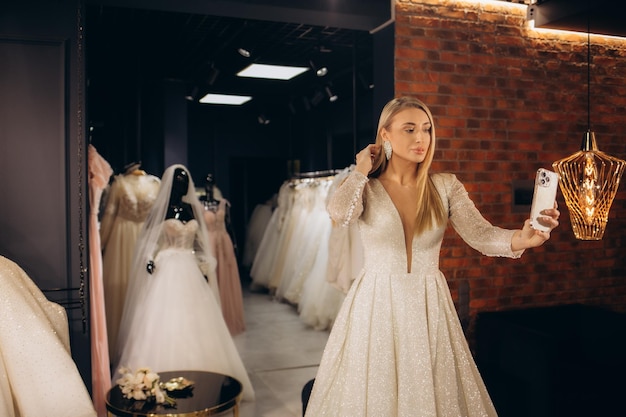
[(407, 248)]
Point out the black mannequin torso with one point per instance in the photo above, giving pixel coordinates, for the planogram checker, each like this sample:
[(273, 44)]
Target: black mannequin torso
[(209, 200), (177, 208)]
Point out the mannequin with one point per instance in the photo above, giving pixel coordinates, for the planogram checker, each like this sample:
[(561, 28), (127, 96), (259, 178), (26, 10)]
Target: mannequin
[(128, 202), (217, 221), (172, 318), (209, 200)]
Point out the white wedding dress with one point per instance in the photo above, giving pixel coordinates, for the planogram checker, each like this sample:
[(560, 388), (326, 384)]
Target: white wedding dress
[(176, 322), (38, 376), (397, 347)]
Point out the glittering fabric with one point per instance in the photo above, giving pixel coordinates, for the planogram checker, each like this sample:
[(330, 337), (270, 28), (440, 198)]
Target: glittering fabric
[(37, 374), (397, 347)]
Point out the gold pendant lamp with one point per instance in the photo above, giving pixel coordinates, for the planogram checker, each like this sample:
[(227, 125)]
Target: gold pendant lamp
[(589, 179)]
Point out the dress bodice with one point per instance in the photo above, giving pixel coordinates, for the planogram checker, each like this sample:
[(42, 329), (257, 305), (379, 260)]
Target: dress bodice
[(179, 235), (215, 217), (134, 196), (366, 201), (381, 227)]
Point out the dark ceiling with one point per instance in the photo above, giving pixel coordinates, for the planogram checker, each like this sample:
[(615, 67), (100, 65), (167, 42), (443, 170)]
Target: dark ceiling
[(196, 42), (201, 50), (605, 17)]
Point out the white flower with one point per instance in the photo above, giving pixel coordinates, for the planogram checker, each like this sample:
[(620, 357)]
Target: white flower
[(142, 385)]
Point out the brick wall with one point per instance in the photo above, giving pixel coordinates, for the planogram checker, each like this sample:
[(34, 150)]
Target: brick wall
[(507, 100)]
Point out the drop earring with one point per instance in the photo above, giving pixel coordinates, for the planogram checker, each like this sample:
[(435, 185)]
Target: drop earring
[(387, 149)]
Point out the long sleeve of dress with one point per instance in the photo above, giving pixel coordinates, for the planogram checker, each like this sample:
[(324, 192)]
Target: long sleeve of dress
[(346, 204), (473, 228), (108, 217)]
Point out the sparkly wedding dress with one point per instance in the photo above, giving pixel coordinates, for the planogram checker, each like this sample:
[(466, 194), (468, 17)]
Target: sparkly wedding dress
[(397, 347), (175, 322), (38, 376)]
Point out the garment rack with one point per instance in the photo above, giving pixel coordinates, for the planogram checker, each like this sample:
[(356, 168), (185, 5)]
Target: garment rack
[(316, 174)]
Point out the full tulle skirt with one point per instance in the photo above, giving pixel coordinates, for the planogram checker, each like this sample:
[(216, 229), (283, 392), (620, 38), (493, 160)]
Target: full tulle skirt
[(179, 324)]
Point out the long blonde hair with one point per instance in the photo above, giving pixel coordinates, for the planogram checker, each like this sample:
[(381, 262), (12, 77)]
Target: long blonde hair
[(430, 212)]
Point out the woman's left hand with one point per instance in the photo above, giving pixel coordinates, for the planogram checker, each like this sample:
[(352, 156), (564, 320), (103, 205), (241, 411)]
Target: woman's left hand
[(531, 238)]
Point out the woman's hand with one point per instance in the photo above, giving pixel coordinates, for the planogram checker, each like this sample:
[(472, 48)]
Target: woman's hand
[(365, 157), (531, 238)]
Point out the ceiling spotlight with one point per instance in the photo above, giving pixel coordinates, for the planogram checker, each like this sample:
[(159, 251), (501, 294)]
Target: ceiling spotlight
[(212, 75), (244, 52), (263, 120), (193, 94), (319, 71), (332, 97)]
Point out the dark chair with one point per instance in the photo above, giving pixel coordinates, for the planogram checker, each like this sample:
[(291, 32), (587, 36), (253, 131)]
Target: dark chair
[(306, 393)]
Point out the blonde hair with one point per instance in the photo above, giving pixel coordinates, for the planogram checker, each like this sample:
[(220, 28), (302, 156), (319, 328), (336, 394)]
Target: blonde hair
[(430, 212)]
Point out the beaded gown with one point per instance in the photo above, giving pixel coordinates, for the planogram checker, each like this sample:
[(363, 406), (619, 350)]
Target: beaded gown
[(397, 347), (128, 203), (176, 322)]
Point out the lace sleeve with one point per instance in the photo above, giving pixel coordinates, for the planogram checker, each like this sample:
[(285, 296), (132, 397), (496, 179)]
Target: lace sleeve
[(346, 203), (473, 228)]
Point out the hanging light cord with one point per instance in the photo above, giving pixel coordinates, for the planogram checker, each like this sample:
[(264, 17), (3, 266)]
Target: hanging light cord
[(588, 73)]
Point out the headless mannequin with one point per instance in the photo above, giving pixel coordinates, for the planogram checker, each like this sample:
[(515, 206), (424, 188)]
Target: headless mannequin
[(210, 202), (177, 208)]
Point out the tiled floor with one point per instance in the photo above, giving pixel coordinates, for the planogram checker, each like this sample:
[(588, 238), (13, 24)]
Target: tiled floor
[(280, 353)]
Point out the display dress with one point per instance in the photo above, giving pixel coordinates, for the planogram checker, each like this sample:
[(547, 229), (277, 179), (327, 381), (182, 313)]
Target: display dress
[(172, 318), (397, 347), (38, 376), (228, 279), (129, 201), (99, 173)]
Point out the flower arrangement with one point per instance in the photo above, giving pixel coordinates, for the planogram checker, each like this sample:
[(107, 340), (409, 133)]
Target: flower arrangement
[(143, 385)]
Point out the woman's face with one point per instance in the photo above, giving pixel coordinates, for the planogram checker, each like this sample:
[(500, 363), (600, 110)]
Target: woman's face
[(409, 134)]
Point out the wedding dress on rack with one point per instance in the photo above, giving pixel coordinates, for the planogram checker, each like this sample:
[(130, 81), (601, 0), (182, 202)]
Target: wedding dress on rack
[(266, 254)]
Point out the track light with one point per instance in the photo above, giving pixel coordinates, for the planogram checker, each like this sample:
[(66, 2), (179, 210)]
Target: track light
[(319, 71), (193, 94), (263, 120), (332, 97), (212, 74)]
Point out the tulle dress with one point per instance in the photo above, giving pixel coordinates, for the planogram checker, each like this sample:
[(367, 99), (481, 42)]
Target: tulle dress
[(38, 376), (265, 258), (128, 203), (177, 323), (259, 219), (318, 302), (300, 246), (397, 347), (227, 271)]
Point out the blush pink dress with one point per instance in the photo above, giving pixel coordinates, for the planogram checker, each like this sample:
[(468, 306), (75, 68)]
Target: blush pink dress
[(228, 278)]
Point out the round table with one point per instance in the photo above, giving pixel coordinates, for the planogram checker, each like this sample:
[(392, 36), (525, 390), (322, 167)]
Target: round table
[(212, 393)]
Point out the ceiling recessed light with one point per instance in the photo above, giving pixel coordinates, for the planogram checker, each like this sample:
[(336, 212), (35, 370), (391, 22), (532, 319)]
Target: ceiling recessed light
[(229, 99), (271, 72)]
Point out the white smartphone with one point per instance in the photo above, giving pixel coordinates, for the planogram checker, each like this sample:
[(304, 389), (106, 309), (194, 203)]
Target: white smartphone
[(544, 195)]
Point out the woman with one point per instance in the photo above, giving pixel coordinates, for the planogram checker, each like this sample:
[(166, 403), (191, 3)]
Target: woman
[(172, 319), (397, 347)]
